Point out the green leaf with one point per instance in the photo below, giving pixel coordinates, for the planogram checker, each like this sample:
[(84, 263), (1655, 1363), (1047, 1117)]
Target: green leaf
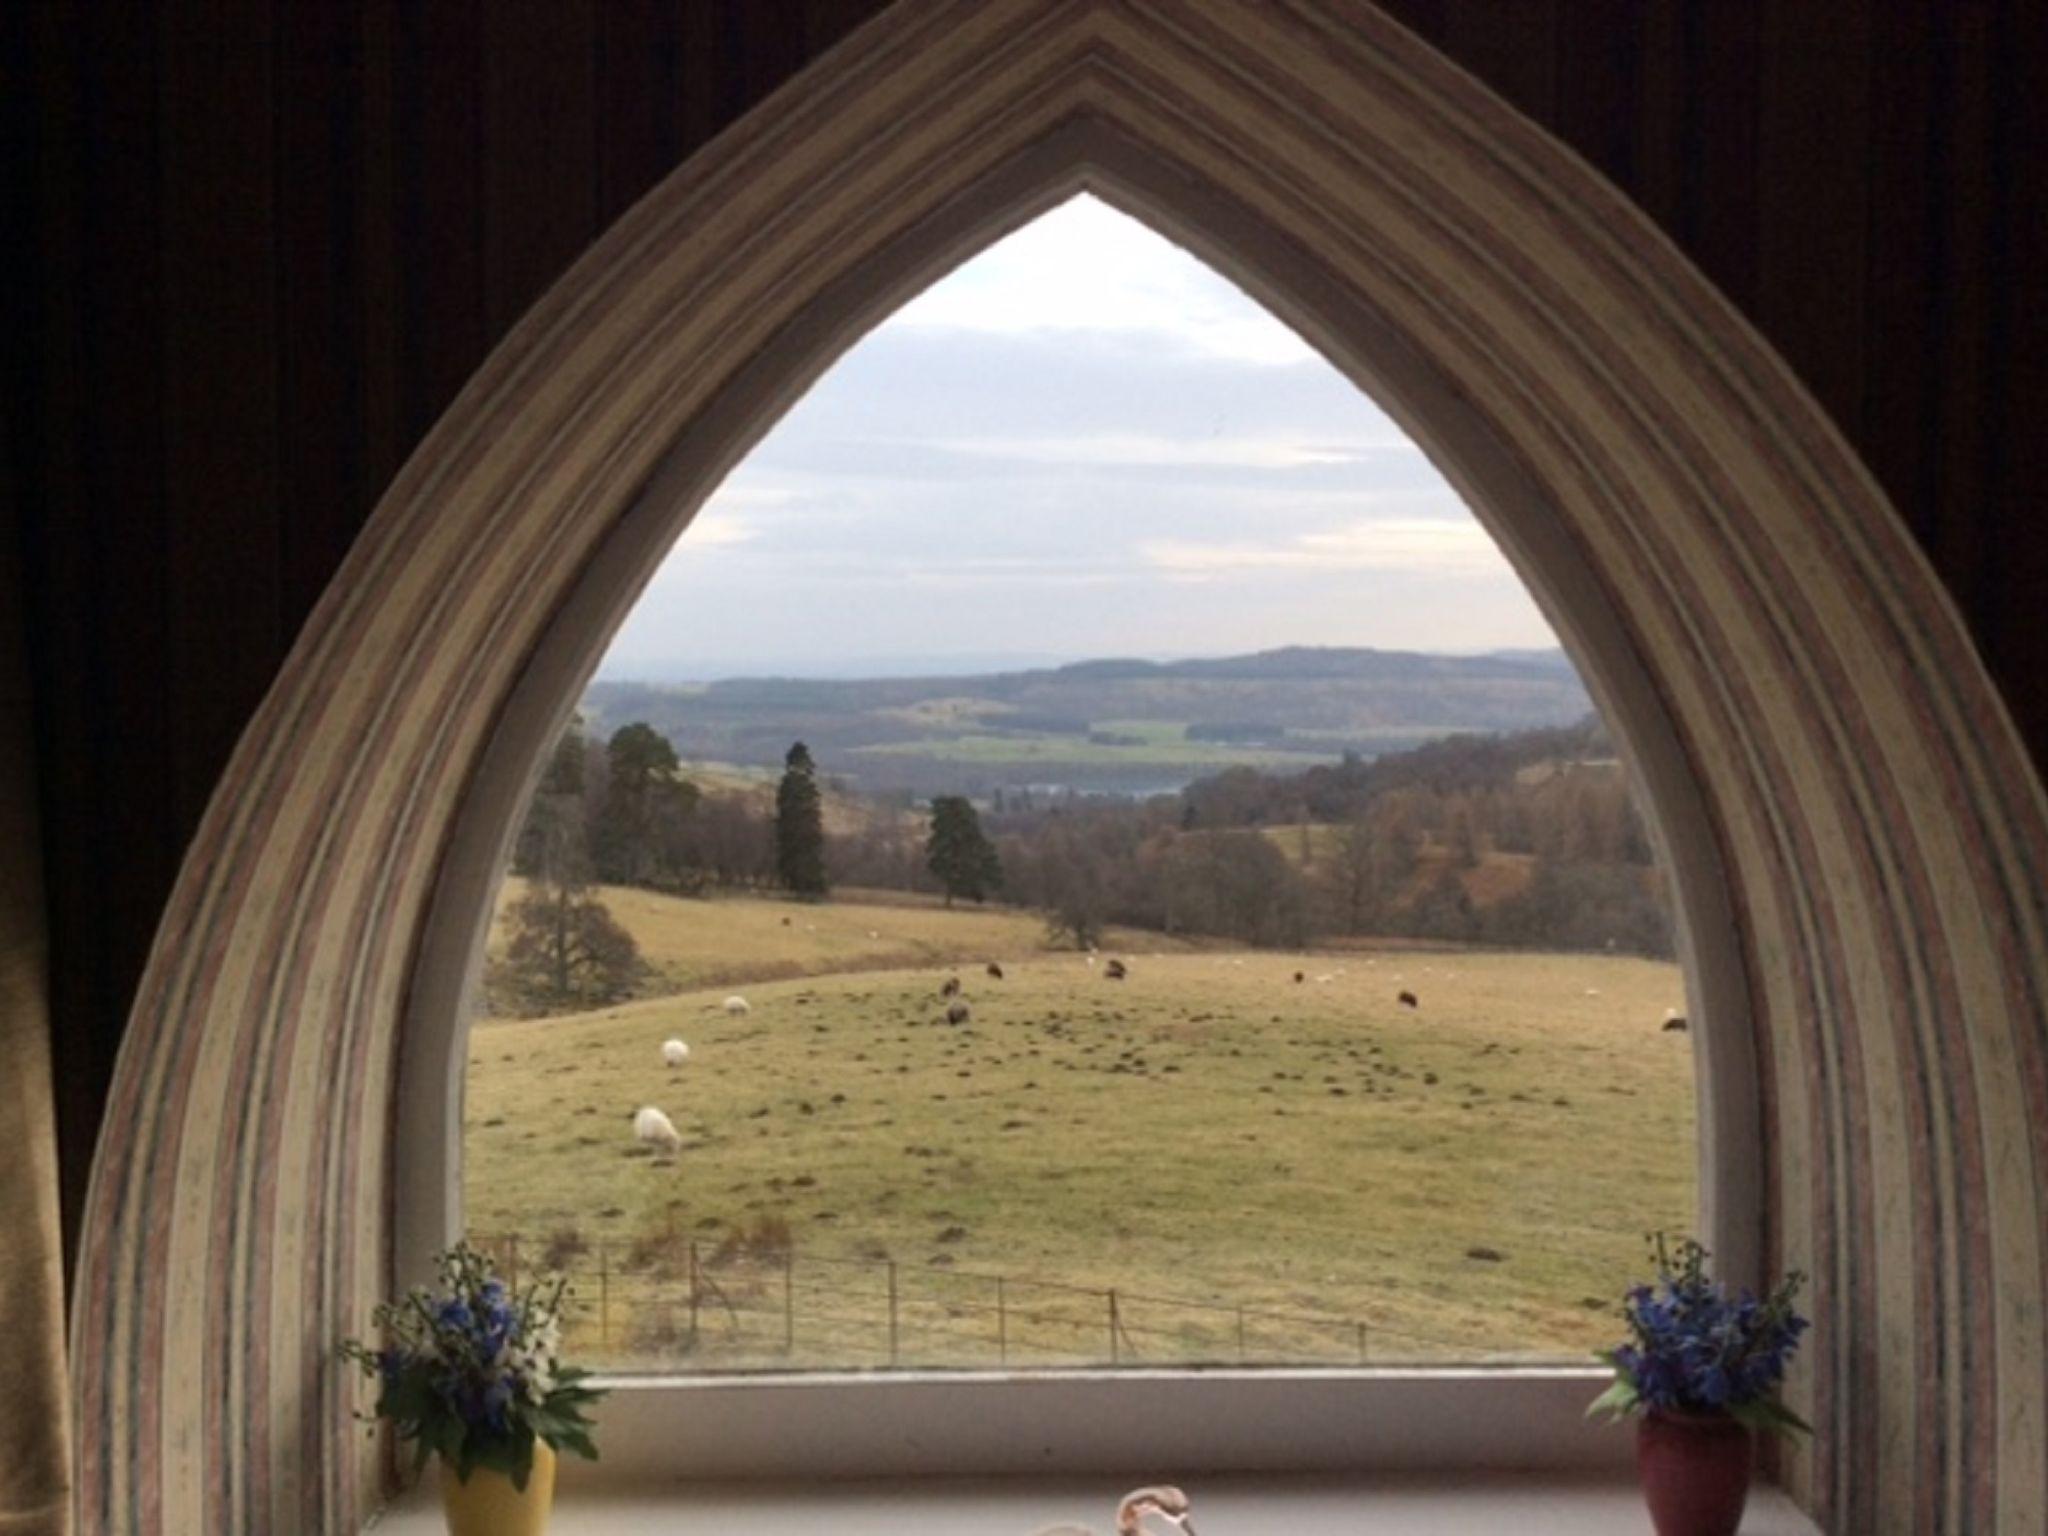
[(1619, 1399), (1768, 1416)]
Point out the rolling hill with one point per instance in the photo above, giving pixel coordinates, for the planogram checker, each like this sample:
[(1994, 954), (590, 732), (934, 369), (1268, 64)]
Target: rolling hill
[(1124, 726)]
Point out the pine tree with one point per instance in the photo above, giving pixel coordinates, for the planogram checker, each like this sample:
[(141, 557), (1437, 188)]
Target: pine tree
[(638, 832), (800, 826), (958, 852)]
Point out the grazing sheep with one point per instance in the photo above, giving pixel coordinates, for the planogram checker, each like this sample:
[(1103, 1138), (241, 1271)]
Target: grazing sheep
[(656, 1130), (674, 1052), (1325, 979), (1673, 1019), (1300, 977), (951, 988), (957, 1014), (1410, 1000), (737, 1006), (995, 970), (1115, 970)]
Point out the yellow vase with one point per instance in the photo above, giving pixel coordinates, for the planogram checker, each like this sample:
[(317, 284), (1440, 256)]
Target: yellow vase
[(488, 1504)]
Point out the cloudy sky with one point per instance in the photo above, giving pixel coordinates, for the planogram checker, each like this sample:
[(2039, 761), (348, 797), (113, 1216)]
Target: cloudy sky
[(1082, 443)]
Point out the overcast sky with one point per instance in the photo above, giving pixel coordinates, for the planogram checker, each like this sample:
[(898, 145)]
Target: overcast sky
[(1082, 443)]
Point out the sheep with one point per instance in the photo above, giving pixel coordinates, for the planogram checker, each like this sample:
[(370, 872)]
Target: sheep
[(653, 1128), (951, 988), (1115, 970), (1325, 979), (957, 1014), (1410, 1000), (674, 1052), (737, 1006), (1673, 1019), (995, 971), (1300, 977)]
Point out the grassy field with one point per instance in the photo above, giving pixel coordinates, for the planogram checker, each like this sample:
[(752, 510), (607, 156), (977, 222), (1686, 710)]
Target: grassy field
[(722, 941), (1469, 1177)]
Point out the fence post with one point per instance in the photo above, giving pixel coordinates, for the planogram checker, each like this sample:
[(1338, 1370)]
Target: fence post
[(894, 1336), (1002, 1323), (1361, 1343), (1115, 1328), (789, 1300), (512, 1262), (604, 1299), (693, 1294), (1240, 1335)]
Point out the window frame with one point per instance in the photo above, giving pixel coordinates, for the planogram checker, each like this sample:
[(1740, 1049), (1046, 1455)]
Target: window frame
[(1414, 1419)]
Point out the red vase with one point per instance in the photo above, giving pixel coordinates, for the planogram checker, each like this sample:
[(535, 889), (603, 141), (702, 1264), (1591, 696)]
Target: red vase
[(1695, 1470)]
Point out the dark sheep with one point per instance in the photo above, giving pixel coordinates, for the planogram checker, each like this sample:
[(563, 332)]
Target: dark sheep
[(957, 1014), (1675, 1021), (1300, 976), (1115, 970), (951, 988), (995, 970), (1410, 1000)]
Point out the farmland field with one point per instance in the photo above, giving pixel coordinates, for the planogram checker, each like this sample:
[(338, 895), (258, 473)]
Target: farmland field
[(1338, 1176)]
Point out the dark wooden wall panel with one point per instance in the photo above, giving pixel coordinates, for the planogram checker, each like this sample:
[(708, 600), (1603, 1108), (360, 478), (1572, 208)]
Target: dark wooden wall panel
[(540, 165), (267, 241), (222, 279)]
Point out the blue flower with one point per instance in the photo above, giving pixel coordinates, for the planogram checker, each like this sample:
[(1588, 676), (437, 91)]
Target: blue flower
[(1696, 1346), (453, 1315)]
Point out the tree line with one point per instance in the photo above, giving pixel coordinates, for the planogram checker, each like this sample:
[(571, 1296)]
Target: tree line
[(625, 815), (1529, 839)]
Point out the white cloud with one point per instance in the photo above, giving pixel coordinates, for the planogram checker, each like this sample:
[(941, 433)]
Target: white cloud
[(1158, 450), (1085, 267), (717, 526), (1421, 546), (1083, 442)]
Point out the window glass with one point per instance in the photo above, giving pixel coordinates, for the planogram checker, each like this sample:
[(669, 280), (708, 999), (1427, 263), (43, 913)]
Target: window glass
[(1085, 853)]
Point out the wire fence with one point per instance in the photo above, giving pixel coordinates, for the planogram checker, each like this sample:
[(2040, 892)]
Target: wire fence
[(687, 1304)]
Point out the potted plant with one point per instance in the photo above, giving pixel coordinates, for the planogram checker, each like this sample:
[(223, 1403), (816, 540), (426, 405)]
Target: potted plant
[(469, 1371), (1701, 1373)]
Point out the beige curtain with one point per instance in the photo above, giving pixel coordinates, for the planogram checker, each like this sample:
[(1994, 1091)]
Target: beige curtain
[(35, 1498)]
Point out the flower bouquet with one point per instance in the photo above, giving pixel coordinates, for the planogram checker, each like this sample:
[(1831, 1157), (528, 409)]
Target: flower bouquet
[(469, 1371), (1702, 1370)]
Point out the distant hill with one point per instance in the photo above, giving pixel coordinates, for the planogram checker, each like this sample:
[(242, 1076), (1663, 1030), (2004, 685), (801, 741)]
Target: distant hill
[(1114, 725)]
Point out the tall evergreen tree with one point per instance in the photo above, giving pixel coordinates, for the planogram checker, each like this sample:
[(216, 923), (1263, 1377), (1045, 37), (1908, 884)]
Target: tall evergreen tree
[(638, 832), (800, 825), (958, 852)]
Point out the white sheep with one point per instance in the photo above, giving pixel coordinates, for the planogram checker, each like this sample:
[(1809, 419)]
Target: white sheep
[(674, 1052), (737, 1006), (656, 1130)]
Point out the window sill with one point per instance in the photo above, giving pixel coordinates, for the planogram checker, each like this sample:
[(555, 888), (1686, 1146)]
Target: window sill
[(1224, 1506)]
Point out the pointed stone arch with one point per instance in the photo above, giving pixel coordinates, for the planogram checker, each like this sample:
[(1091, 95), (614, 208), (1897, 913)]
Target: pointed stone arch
[(1863, 838)]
